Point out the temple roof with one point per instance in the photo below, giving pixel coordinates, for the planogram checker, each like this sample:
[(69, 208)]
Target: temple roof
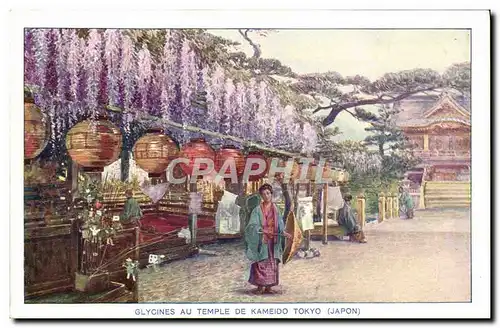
[(416, 110)]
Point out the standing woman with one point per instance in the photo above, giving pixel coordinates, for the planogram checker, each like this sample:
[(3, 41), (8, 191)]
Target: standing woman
[(264, 247), (405, 204)]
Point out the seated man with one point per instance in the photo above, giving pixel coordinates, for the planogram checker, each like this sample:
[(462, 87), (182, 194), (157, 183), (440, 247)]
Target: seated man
[(347, 221), (131, 211)]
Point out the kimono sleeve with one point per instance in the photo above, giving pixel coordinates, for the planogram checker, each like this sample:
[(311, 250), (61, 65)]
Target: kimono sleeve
[(252, 235)]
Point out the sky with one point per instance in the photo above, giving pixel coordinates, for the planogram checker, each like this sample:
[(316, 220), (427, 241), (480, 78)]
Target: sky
[(370, 53)]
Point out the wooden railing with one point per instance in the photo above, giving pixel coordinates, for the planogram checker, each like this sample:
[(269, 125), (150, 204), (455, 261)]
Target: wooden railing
[(442, 154), (388, 206)]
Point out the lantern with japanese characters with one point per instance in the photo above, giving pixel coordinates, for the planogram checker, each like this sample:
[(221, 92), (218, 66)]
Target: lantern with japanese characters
[(36, 131), (154, 151), (334, 175), (230, 152), (94, 144), (311, 172), (196, 149), (342, 177), (282, 163), (327, 171)]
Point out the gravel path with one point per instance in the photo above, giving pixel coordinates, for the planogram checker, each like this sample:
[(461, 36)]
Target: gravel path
[(420, 260)]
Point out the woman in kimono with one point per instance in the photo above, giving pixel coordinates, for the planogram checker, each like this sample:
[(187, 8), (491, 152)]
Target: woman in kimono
[(347, 220), (264, 248), (405, 204)]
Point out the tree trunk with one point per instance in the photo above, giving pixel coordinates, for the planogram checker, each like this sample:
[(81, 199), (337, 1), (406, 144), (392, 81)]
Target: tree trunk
[(256, 48), (381, 149), (125, 164)]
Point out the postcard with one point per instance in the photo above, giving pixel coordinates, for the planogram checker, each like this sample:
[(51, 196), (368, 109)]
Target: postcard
[(285, 164)]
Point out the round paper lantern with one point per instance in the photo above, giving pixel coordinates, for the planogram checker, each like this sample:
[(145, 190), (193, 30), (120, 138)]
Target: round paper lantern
[(294, 174), (269, 160), (327, 172), (341, 176), (295, 170), (94, 144), (334, 175), (154, 151), (255, 166), (196, 148), (36, 131), (226, 153)]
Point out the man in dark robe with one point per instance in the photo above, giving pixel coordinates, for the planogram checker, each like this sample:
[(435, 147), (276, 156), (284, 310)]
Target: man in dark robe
[(347, 220)]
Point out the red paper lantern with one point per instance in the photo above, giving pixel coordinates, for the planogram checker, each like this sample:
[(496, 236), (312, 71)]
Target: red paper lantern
[(255, 166), (94, 144), (226, 153), (282, 163), (36, 131), (295, 170), (196, 148), (327, 172), (154, 151), (313, 167), (311, 172)]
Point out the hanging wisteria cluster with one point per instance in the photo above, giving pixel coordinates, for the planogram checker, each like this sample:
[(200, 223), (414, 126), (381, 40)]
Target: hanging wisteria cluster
[(76, 77), (361, 161)]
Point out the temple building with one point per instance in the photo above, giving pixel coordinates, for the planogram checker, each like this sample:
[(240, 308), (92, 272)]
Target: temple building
[(438, 127)]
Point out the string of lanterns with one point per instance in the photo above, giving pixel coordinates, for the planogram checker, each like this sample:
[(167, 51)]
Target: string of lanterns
[(94, 144)]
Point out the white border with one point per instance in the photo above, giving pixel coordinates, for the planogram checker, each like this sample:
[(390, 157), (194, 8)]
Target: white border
[(478, 21)]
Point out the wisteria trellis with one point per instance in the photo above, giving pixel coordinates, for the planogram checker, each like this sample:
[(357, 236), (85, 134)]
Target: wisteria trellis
[(78, 76)]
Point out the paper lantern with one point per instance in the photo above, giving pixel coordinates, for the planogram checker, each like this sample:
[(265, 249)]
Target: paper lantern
[(327, 171), (36, 131), (311, 172), (196, 148), (341, 176), (154, 151), (257, 154), (334, 175), (226, 153), (94, 144), (294, 174)]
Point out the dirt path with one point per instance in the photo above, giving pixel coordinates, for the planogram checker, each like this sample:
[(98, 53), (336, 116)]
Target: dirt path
[(420, 260)]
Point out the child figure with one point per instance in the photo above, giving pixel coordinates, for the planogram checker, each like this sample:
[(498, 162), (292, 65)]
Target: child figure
[(113, 227), (132, 268)]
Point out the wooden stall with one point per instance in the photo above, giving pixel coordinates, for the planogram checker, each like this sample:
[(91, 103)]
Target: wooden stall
[(52, 251)]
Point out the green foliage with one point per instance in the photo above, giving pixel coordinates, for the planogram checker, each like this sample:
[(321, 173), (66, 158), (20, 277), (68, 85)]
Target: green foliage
[(385, 134), (457, 76)]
